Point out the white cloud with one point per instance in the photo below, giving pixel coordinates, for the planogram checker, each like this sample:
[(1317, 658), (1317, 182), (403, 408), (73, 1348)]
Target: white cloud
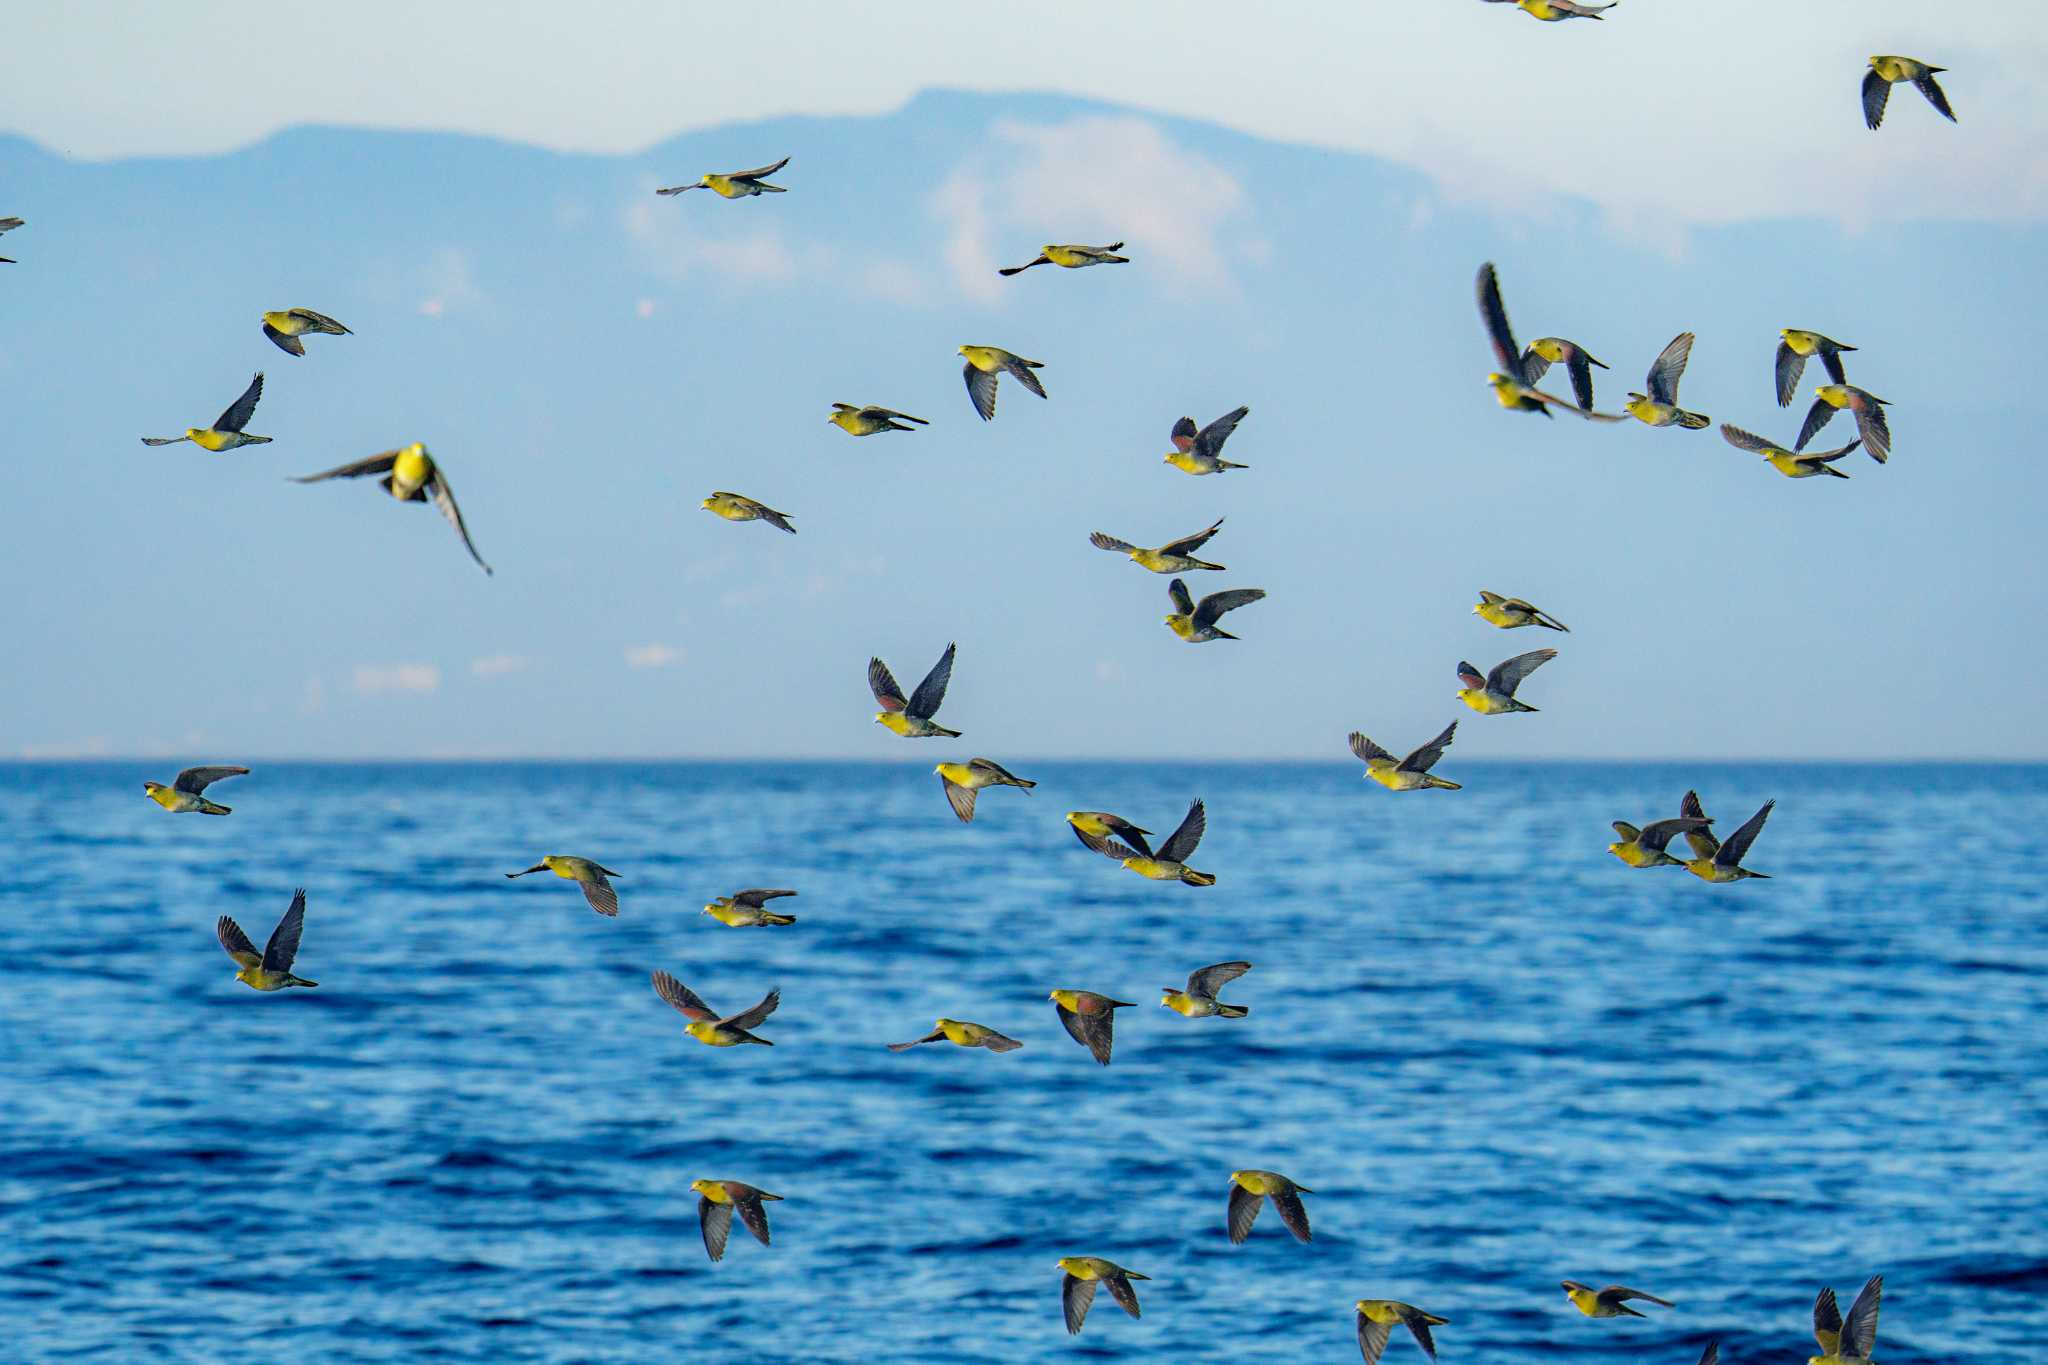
[(643, 308), (681, 248), (371, 680), (450, 283), (498, 665), (651, 656)]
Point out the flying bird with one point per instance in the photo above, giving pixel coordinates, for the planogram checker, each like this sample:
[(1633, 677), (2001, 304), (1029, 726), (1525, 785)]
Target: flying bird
[(226, 432), (287, 325), (1551, 11), (1090, 826), (1645, 847), (987, 364), (1578, 363), (912, 718), (1794, 346), (1407, 774), (1494, 694), (866, 421), (1201, 451), (1847, 1340), (716, 1200), (1659, 407), (1077, 1289), (1195, 623), (1090, 1019), (1071, 257), (270, 970), (1610, 1302), (1248, 1192), (962, 780), (747, 909), (185, 792), (1885, 72), (1169, 863), (410, 475), (961, 1033), (1512, 385), (734, 184), (590, 876), (1197, 1000), (1176, 556), (1377, 1319), (1715, 861), (1872, 428), (705, 1024), (8, 225), (1510, 613), (739, 507), (1790, 463)]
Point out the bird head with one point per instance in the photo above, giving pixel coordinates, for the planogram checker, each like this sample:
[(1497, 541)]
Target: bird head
[(194, 433), (1496, 379), (700, 1186), (1066, 1263), (961, 351), (706, 504)]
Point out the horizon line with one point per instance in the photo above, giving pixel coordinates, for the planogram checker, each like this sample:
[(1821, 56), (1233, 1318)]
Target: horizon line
[(479, 760)]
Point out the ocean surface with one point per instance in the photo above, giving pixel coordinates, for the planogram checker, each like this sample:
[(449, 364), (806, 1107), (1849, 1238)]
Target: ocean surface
[(1498, 1057)]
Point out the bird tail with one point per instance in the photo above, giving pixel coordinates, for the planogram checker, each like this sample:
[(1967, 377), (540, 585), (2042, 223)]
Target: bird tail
[(1118, 260), (1228, 464), (291, 980), (942, 730), (1232, 1011), (1204, 564), (767, 188), (256, 440), (770, 917), (1225, 635), (207, 807), (762, 1041), (1524, 706), (1432, 780), (1194, 878), (1691, 421), (1022, 782)]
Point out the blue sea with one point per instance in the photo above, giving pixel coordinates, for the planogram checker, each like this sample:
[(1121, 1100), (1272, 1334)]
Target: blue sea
[(1496, 1056)]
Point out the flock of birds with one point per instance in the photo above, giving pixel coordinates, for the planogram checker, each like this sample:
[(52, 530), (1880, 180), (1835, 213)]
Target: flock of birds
[(409, 473)]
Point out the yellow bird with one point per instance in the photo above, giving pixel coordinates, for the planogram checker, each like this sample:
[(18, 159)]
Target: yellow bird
[(1885, 72), (184, 793), (1077, 1289), (912, 717), (1794, 347), (1578, 363), (286, 326), (1248, 1192), (961, 1033), (734, 184), (1610, 1302), (987, 364), (1200, 451), (962, 780), (1872, 427), (1090, 826), (590, 876), (1513, 387), (1494, 693), (1090, 1019), (270, 970), (739, 507), (1645, 847), (1197, 1000), (226, 432), (745, 909), (1169, 863), (1659, 407), (1510, 613), (1410, 773), (1377, 1319), (1715, 861), (705, 1025), (1070, 257), (1551, 11), (716, 1200), (1790, 463), (410, 475), (8, 225), (1850, 1340), (866, 421), (1196, 623), (1176, 556)]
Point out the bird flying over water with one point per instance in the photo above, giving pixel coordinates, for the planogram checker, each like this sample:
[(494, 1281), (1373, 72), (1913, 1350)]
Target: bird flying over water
[(1578, 363), (1551, 11), (185, 792), (1071, 257), (1645, 847), (733, 184), (739, 507), (1794, 346), (1494, 694), (1512, 385), (1092, 825), (1510, 613), (410, 475), (1090, 1019), (586, 874), (962, 780), (287, 325), (1377, 1319), (1200, 450), (1077, 1289), (705, 1024), (1659, 407), (1872, 427), (1196, 623), (1847, 1340), (226, 432), (1176, 556), (866, 421), (1169, 864), (1610, 1302), (987, 364), (716, 1200), (1885, 72), (912, 717), (270, 970), (8, 225), (961, 1033), (1248, 1192), (1713, 860), (1790, 463), (1197, 1000), (1407, 774), (747, 909)]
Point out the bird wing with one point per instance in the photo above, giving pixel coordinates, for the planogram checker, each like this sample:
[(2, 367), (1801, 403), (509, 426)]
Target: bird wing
[(1423, 759), (1209, 441), (443, 498), (1075, 1296), (320, 321), (1243, 1211), (242, 409), (1120, 1290), (1830, 456), (936, 1035), (1859, 1328), (1534, 366), (1183, 601), (1182, 841), (1287, 1203), (1470, 675), (1495, 314), (1128, 832), (598, 891), (1658, 833), (1668, 368), (1876, 90), (998, 1042), (1418, 1324), (1831, 358), (716, 1220), (873, 411), (758, 898), (1875, 432), (686, 1001), (284, 939), (758, 171), (1366, 750), (290, 345), (1791, 365), (1108, 848), (925, 701), (355, 469), (236, 942), (1022, 370), (1209, 980), (1092, 1031), (960, 798), (1184, 433), (1704, 844), (755, 1013), (1507, 675), (1216, 603), (1187, 545), (1819, 415), (1617, 1293), (882, 683), (1626, 832), (1744, 440), (1731, 852), (1827, 1320), (1108, 542), (1372, 1336), (981, 387), (748, 1202), (1926, 85), (197, 780), (1580, 368)]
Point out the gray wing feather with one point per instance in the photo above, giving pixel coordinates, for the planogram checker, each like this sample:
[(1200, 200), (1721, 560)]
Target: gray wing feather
[(197, 780), (1790, 366), (1669, 368), (1182, 841), (757, 898), (1026, 377), (1876, 90), (283, 947), (1075, 1297), (1423, 759), (1418, 1326), (934, 1036), (1187, 545), (1243, 1211), (1658, 833), (242, 409), (1495, 315), (1508, 674), (1819, 415), (686, 1001), (716, 1221), (925, 701), (1125, 1296), (1372, 1336), (1216, 603), (1827, 1317), (1731, 853), (1927, 86), (883, 684), (443, 498), (1534, 366), (1209, 440), (981, 387), (754, 1014), (1287, 1203), (1183, 601), (355, 469), (599, 893), (1105, 542), (236, 942), (758, 171), (748, 1202), (1366, 750), (1209, 980), (960, 798), (1744, 440), (1859, 1328)]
